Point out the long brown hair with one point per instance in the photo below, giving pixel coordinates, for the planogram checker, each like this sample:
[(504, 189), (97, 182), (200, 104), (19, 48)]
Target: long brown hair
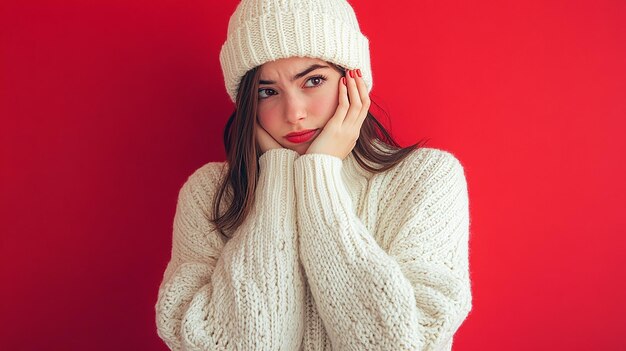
[(238, 187)]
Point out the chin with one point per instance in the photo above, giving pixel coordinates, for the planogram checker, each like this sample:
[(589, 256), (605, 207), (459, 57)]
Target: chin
[(301, 150)]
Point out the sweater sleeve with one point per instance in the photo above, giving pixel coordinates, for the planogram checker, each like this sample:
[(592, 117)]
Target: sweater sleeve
[(246, 293), (412, 296)]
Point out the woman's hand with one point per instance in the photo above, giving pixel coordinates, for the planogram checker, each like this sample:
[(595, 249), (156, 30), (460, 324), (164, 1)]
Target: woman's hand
[(264, 139), (341, 132)]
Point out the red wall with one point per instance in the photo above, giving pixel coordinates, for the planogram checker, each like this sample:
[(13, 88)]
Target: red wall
[(107, 107)]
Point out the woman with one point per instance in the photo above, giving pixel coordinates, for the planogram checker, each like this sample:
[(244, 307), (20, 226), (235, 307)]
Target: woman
[(319, 232)]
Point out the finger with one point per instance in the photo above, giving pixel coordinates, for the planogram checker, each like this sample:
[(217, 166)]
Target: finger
[(343, 106), (365, 100), (355, 99)]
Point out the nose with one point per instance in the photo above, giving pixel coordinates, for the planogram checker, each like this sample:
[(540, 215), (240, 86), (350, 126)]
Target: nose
[(295, 109)]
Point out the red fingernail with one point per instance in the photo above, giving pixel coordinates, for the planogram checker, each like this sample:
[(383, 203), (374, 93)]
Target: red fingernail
[(352, 73), (343, 79), (358, 71)]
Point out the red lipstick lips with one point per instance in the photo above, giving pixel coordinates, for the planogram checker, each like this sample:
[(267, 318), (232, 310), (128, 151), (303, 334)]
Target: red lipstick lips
[(300, 136)]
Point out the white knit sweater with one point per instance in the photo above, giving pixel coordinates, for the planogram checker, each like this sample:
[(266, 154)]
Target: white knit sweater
[(330, 257)]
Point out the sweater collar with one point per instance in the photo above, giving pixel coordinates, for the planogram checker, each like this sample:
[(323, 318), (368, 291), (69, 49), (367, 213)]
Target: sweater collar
[(352, 168)]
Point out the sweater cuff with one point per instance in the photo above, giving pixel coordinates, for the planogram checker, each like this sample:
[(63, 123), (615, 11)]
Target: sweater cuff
[(321, 188), (275, 186), (274, 158)]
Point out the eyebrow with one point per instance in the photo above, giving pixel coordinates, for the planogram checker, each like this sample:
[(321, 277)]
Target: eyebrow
[(311, 68)]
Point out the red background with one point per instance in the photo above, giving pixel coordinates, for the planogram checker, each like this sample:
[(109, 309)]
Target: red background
[(108, 106)]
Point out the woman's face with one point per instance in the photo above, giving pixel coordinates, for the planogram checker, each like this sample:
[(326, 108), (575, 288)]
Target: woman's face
[(295, 95)]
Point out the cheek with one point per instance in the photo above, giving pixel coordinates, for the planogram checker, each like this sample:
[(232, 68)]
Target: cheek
[(321, 107), (326, 106), (268, 118)]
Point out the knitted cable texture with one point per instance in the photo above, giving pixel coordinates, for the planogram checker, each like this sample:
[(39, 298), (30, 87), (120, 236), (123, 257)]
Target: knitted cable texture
[(331, 258)]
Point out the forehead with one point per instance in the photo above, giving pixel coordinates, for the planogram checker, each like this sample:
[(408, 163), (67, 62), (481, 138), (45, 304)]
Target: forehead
[(287, 67)]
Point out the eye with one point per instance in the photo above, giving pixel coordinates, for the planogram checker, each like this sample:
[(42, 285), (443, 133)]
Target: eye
[(261, 91), (320, 79), (317, 81)]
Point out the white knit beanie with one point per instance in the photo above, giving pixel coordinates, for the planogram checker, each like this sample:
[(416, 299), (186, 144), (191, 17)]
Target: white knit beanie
[(260, 31)]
